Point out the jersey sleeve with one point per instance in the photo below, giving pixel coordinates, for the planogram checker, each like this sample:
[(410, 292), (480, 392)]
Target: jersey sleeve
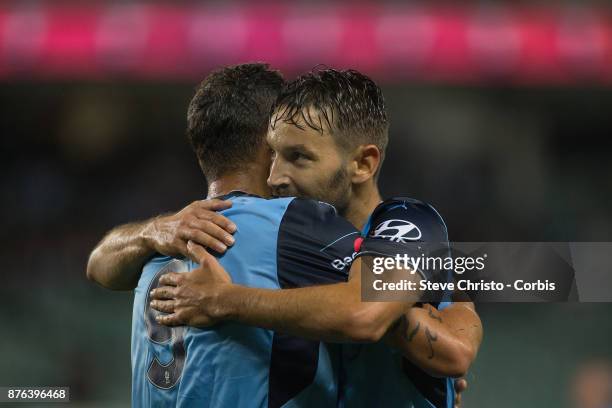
[(404, 226), (315, 245)]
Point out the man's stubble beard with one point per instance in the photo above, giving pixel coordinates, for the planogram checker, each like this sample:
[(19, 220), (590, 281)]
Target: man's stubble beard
[(336, 191), (339, 190)]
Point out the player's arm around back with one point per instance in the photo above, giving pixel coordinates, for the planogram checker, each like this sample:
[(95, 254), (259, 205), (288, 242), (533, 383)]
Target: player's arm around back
[(328, 312), (331, 312), (117, 261)]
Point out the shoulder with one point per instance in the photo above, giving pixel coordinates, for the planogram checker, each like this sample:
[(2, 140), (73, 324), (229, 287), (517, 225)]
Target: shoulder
[(312, 215), (415, 219), (315, 245), (257, 208), (312, 208), (250, 201)]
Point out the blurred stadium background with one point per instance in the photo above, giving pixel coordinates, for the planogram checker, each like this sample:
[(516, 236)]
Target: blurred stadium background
[(500, 117)]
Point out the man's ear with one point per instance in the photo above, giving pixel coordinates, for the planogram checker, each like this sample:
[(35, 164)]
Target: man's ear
[(366, 160)]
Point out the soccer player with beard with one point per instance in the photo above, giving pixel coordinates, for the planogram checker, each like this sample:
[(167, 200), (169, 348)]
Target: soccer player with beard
[(233, 365), (126, 247), (329, 133)]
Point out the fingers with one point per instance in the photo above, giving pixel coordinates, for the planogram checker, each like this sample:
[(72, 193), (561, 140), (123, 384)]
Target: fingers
[(200, 255), (212, 227), (166, 306), (200, 223), (164, 293), (207, 214), (209, 229), (171, 279), (196, 252), (215, 204), (209, 235), (173, 319), (209, 265)]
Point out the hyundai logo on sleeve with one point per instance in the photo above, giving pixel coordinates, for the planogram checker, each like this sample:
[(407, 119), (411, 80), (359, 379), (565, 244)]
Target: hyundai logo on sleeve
[(398, 231)]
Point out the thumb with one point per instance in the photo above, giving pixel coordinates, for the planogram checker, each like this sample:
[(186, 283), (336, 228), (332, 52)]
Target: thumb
[(197, 253)]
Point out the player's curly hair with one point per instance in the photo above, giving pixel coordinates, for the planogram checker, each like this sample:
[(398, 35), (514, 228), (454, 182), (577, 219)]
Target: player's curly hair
[(347, 103), (229, 115)]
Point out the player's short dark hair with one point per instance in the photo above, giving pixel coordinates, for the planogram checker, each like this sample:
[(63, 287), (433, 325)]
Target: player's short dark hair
[(349, 104), (229, 115)]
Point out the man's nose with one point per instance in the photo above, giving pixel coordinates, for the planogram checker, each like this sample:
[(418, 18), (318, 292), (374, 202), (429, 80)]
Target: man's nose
[(280, 183), (278, 180)]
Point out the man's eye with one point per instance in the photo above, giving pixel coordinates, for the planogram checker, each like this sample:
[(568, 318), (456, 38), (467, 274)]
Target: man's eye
[(295, 156)]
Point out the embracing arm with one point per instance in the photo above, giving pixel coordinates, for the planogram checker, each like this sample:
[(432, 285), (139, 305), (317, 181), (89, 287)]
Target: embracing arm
[(329, 312), (117, 261), (442, 343), (332, 312)]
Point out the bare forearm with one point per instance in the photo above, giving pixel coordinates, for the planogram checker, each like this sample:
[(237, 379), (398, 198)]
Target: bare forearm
[(442, 343), (330, 313), (117, 261)]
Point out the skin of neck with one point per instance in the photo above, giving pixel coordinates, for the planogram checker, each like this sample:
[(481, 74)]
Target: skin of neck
[(365, 198), (251, 179), (237, 181)]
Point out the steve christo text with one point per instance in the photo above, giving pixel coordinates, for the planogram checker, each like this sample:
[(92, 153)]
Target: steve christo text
[(428, 266)]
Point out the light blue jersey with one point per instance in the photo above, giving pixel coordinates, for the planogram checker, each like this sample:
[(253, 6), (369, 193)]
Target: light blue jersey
[(280, 243)]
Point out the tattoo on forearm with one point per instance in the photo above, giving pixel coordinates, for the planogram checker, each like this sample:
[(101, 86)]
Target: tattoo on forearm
[(409, 335), (431, 338), (404, 324), (433, 316)]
